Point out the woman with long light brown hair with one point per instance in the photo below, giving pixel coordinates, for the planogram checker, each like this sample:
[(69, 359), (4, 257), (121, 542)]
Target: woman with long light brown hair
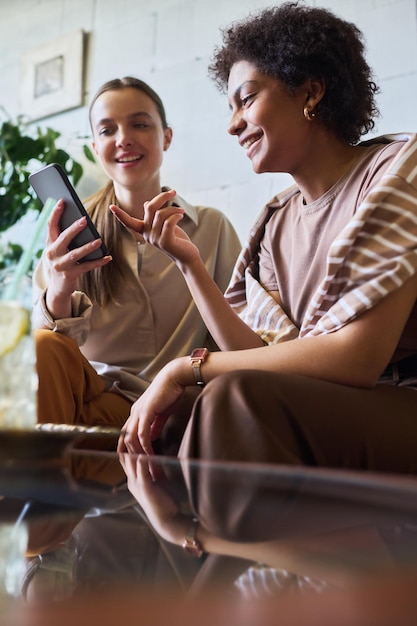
[(117, 321)]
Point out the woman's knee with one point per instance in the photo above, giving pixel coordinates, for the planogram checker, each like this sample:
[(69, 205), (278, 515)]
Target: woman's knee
[(244, 390), (237, 417), (50, 344)]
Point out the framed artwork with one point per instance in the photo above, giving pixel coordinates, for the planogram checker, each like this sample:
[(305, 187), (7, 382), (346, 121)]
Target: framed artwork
[(52, 77)]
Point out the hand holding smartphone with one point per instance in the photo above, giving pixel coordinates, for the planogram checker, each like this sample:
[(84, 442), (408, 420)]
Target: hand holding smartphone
[(52, 182)]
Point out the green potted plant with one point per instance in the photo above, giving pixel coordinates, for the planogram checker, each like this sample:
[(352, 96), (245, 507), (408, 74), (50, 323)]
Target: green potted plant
[(22, 151)]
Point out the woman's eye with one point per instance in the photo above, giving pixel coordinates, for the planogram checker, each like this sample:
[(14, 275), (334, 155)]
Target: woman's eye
[(246, 99), (105, 131)]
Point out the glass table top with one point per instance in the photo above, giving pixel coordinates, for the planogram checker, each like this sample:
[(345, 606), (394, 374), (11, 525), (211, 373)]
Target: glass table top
[(86, 534)]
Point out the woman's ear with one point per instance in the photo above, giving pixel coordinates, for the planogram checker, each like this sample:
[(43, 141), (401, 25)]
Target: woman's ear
[(315, 89), (167, 137), (93, 145)]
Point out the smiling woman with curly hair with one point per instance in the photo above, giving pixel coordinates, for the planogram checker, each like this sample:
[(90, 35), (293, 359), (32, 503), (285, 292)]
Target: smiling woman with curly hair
[(318, 327), (293, 43)]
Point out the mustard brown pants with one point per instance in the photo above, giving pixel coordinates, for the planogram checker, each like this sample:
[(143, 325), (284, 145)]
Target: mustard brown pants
[(70, 390)]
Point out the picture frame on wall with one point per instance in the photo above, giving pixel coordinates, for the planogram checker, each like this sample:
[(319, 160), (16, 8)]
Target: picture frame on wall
[(52, 77)]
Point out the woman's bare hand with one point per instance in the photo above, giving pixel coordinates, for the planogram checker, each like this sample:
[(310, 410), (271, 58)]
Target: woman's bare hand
[(150, 412), (64, 264), (159, 227)]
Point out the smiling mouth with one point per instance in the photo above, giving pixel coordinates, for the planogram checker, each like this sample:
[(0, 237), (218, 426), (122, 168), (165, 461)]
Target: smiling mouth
[(130, 159), (249, 142)]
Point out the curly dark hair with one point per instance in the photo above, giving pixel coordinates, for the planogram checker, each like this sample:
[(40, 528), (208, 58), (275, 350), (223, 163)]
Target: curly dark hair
[(293, 42)]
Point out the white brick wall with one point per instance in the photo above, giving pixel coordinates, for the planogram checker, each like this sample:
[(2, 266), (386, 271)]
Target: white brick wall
[(168, 43)]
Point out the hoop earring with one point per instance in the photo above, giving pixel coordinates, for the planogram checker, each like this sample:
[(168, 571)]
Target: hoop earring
[(309, 115)]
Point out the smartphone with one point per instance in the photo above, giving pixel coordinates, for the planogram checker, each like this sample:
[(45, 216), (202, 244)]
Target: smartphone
[(52, 182)]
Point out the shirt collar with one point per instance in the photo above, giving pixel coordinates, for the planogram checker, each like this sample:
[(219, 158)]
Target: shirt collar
[(190, 210)]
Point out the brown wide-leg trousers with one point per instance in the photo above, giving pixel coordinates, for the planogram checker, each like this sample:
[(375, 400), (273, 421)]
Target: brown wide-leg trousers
[(294, 420), (264, 418)]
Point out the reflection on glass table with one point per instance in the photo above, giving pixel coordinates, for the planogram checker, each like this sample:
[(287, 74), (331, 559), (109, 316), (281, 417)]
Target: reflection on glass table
[(82, 523)]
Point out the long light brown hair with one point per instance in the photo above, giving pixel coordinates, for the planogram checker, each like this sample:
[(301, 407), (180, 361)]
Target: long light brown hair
[(103, 284)]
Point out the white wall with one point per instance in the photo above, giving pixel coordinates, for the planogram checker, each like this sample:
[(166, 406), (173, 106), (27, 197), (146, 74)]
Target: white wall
[(169, 43)]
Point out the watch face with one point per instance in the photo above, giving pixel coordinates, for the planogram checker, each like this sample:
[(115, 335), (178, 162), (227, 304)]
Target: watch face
[(199, 353)]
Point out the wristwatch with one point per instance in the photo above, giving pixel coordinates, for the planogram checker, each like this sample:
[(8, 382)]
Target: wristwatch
[(197, 358), (191, 543)]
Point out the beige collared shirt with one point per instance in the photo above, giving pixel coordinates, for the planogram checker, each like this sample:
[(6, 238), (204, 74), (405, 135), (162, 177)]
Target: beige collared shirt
[(128, 343)]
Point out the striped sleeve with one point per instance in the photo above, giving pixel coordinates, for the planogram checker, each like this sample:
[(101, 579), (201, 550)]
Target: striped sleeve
[(247, 296), (375, 253)]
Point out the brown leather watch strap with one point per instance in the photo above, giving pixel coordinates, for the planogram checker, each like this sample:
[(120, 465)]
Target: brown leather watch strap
[(197, 358)]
